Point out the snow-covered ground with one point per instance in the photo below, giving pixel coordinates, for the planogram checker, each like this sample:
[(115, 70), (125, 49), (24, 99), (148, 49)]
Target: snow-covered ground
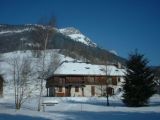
[(79, 108)]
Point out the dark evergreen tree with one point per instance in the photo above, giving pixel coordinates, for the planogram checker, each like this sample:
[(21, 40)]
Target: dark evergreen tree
[(139, 85)]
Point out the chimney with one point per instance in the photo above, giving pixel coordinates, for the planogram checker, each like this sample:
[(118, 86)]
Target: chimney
[(119, 65)]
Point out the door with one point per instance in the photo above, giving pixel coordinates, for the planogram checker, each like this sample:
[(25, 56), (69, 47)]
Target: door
[(92, 90), (68, 91)]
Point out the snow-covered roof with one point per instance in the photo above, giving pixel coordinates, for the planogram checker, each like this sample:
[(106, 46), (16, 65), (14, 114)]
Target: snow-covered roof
[(79, 68)]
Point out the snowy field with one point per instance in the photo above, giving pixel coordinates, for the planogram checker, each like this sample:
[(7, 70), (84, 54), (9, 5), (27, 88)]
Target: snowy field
[(79, 108)]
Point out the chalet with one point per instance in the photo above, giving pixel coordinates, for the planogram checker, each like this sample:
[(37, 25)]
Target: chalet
[(1, 86), (83, 79)]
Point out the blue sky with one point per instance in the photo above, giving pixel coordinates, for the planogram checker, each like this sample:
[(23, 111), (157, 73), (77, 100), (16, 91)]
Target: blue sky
[(120, 25)]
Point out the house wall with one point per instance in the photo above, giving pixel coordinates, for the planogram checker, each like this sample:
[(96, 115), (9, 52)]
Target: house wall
[(1, 86), (100, 90), (157, 89), (76, 93), (87, 86), (87, 91)]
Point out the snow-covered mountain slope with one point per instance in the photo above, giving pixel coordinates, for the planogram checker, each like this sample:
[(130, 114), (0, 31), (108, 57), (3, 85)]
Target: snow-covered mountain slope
[(71, 32), (14, 31), (70, 40), (77, 36), (6, 61)]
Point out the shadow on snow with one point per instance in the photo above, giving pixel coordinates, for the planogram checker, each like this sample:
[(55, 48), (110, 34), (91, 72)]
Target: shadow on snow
[(19, 117), (85, 115)]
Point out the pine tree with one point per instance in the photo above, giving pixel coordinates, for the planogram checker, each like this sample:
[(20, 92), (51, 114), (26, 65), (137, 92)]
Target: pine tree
[(139, 85)]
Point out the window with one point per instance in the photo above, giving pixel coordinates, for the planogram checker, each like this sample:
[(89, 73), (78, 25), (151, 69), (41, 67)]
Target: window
[(114, 81), (119, 80), (76, 89), (91, 80), (119, 89), (109, 81), (60, 89), (87, 67), (110, 91)]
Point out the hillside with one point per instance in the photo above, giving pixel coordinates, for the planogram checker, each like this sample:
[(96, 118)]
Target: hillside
[(70, 41)]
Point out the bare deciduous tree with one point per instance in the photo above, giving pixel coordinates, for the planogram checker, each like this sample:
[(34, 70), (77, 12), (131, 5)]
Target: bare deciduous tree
[(21, 70), (108, 71), (42, 35), (54, 63)]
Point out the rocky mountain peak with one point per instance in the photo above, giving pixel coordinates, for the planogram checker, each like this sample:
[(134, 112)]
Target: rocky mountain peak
[(76, 35), (70, 31)]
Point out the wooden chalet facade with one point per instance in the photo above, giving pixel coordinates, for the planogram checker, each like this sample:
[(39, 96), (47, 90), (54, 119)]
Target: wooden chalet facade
[(82, 79), (1, 86)]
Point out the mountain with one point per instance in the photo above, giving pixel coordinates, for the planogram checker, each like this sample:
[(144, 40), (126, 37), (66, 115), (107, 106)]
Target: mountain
[(70, 41), (77, 36), (114, 52)]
